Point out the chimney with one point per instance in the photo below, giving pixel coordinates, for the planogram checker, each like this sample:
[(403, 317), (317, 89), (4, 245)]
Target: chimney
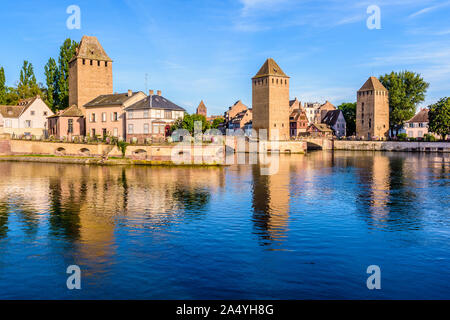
[(158, 92), (151, 92), (130, 93)]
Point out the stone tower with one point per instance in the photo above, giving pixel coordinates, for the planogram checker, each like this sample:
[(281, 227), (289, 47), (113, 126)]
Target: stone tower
[(90, 72), (270, 88), (201, 109), (372, 111)]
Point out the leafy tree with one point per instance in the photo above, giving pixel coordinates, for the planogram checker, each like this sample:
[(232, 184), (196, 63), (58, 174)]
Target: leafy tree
[(3, 87), (217, 122), (349, 111), (51, 80), (439, 117), (66, 52), (406, 90), (27, 86), (188, 122)]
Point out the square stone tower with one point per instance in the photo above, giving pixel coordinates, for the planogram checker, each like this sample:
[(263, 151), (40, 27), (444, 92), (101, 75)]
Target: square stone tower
[(372, 111), (270, 89), (90, 72)]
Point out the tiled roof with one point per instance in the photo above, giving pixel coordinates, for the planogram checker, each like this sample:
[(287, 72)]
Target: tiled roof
[(327, 106), (72, 111), (270, 68), (90, 48), (331, 117), (373, 84), (11, 111), (16, 111), (421, 116), (322, 127), (109, 99), (155, 102), (201, 106)]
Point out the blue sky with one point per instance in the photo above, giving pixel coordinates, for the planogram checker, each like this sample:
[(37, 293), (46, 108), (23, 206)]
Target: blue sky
[(208, 49)]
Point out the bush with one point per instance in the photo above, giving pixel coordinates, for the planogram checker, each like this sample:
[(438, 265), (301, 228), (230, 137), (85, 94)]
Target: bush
[(122, 145), (429, 137), (402, 136)]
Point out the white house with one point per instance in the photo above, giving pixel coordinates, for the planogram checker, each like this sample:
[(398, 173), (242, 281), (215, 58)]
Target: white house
[(28, 118)]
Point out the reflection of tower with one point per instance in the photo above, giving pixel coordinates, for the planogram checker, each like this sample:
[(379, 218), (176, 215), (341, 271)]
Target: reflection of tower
[(380, 187), (271, 201)]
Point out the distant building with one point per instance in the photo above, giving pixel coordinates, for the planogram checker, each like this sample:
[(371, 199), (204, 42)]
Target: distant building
[(270, 100), (67, 123), (105, 115), (241, 119), (294, 104), (372, 111), (323, 110), (319, 130), (201, 109), (28, 118), (233, 111), (90, 72), (336, 121), (311, 109), (298, 122), (151, 117), (417, 126)]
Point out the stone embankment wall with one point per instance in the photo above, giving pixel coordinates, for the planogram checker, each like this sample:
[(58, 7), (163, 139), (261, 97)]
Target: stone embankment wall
[(392, 146)]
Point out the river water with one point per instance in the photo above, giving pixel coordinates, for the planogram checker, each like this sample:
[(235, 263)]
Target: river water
[(310, 231)]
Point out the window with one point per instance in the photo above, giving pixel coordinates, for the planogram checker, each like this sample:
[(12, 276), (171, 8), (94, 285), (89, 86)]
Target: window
[(106, 63), (8, 123), (130, 128), (92, 117), (420, 134), (93, 133), (145, 128), (167, 114), (32, 113), (145, 113), (104, 133), (45, 113), (27, 123), (91, 62), (84, 61), (155, 128), (158, 113), (130, 115), (70, 126), (103, 116), (98, 63), (114, 116), (370, 123), (115, 132)]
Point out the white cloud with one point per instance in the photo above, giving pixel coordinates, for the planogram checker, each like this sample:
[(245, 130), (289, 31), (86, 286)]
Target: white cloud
[(429, 9)]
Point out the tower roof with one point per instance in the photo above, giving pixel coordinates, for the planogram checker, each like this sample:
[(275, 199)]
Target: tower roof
[(373, 84), (90, 48), (270, 68), (201, 106)]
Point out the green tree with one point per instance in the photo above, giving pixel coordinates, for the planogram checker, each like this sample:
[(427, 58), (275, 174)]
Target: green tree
[(51, 80), (188, 122), (349, 111), (217, 122), (439, 117), (27, 86), (3, 87), (406, 90), (66, 52)]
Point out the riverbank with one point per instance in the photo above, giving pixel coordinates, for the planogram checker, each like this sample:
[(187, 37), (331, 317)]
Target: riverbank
[(98, 161)]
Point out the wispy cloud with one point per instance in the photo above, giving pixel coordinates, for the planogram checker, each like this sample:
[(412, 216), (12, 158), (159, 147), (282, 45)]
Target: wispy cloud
[(428, 9)]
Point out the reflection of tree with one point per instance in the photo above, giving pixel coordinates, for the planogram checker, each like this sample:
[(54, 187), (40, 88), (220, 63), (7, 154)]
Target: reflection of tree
[(65, 209), (193, 200), (29, 218), (3, 220), (385, 196)]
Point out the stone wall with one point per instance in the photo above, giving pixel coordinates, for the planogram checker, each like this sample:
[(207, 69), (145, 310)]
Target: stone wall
[(392, 146)]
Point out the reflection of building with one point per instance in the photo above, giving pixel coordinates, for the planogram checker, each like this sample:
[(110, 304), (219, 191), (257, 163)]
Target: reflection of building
[(372, 111), (271, 196), (271, 100)]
